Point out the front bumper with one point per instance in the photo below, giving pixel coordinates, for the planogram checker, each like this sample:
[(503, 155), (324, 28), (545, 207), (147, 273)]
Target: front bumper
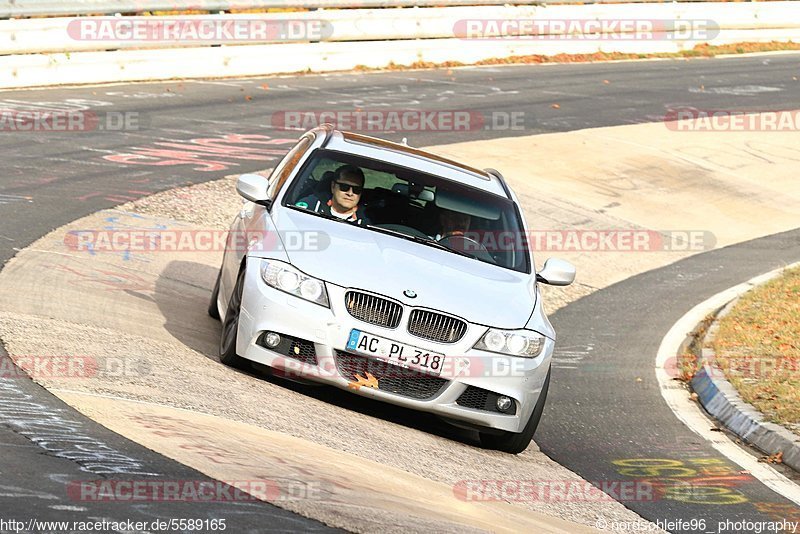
[(267, 309)]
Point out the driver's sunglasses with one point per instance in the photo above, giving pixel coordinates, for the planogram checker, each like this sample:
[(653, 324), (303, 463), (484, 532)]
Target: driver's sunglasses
[(344, 188)]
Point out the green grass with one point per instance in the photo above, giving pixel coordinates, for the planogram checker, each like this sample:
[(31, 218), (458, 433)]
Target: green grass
[(758, 348)]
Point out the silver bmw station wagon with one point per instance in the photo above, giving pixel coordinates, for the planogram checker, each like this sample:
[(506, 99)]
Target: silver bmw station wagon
[(395, 274)]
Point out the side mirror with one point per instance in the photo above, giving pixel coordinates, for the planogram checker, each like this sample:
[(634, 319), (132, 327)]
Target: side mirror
[(254, 187), (556, 272)]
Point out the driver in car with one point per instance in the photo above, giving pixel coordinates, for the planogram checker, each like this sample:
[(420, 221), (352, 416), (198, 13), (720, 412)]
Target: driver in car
[(453, 223), (455, 235), (347, 187)]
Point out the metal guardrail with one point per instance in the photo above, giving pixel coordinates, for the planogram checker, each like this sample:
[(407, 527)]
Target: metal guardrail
[(54, 8), (702, 23), (85, 34), (36, 52), (46, 8)]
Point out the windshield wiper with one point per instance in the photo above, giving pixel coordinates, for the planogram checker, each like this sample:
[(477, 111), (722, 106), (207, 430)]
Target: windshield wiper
[(417, 239)]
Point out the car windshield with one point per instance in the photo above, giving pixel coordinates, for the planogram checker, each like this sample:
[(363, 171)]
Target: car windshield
[(412, 205)]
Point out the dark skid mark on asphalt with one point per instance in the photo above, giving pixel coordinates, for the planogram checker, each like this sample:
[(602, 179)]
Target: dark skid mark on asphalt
[(598, 413)]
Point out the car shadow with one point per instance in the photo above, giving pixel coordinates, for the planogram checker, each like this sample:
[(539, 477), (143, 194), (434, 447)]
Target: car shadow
[(182, 293), (184, 307)]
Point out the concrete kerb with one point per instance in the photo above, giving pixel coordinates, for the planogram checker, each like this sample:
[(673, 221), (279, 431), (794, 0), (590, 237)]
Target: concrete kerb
[(721, 400), (676, 393), (359, 493)]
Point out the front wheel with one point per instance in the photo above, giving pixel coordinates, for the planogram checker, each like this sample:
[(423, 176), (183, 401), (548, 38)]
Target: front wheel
[(513, 442), (230, 327)]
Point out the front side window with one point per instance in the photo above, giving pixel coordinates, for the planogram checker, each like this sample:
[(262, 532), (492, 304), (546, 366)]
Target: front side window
[(285, 167), (412, 205)]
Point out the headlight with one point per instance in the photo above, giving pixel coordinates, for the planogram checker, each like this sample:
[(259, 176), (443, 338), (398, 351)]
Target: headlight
[(523, 343), (286, 278)]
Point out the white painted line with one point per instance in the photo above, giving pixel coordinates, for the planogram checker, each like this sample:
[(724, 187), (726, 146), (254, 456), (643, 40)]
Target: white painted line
[(691, 414), (67, 508)]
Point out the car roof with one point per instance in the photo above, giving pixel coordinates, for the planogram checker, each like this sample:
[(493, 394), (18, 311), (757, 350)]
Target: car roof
[(414, 158)]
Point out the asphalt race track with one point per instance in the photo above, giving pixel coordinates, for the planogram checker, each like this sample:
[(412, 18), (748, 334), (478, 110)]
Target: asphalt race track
[(600, 421), (607, 420), (47, 447)]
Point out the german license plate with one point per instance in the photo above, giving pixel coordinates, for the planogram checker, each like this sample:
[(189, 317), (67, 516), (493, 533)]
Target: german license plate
[(395, 353)]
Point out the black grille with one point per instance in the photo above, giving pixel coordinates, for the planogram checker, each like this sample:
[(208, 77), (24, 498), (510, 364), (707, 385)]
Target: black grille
[(436, 327), (482, 399), (391, 378), (372, 309), (293, 347)]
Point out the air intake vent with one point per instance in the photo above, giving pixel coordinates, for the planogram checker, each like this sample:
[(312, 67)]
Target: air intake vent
[(391, 378), (436, 327), (373, 310)]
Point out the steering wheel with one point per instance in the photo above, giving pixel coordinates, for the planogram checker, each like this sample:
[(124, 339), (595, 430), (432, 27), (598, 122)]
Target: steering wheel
[(467, 245)]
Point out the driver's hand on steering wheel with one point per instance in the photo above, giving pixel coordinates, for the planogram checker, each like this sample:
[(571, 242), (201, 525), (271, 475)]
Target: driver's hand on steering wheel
[(454, 233)]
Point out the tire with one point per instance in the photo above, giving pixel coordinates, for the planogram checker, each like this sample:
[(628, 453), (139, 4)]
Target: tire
[(230, 327), (513, 442), (213, 310)]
